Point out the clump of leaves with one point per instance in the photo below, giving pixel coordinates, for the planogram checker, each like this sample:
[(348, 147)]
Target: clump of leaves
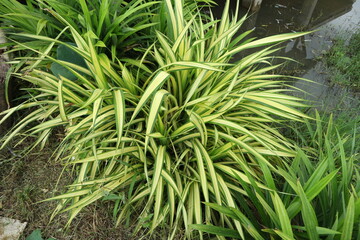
[(118, 26), (316, 197), (183, 124)]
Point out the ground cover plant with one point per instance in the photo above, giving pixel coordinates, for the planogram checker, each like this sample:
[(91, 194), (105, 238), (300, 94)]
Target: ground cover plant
[(343, 61), (163, 119)]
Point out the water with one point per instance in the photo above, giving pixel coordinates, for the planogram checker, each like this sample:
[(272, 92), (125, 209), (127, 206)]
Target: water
[(342, 21), (331, 19)]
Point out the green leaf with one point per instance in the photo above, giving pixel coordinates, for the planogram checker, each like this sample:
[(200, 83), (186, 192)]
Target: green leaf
[(155, 84), (96, 94), (219, 231), (35, 235), (347, 230), (222, 209), (119, 102), (308, 214), (282, 214), (100, 44), (319, 230), (113, 197), (62, 109), (66, 54), (283, 235), (154, 113), (40, 26), (160, 158)]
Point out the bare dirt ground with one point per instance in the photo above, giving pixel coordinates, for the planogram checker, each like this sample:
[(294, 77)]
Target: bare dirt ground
[(26, 181)]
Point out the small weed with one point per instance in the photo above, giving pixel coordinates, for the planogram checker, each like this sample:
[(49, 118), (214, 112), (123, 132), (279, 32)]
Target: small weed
[(36, 235), (343, 60)]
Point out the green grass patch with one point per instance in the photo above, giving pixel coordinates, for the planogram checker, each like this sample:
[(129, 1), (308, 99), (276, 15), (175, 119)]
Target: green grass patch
[(344, 61)]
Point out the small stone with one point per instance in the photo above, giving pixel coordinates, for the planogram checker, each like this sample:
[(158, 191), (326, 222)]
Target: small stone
[(11, 229)]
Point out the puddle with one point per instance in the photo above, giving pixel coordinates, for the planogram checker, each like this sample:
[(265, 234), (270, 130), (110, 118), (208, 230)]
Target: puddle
[(328, 18), (331, 19), (342, 21)]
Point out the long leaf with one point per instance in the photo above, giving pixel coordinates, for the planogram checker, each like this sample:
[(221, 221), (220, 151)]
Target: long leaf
[(220, 231)]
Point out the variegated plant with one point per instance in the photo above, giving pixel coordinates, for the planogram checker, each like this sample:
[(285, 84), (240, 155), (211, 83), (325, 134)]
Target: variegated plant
[(179, 125)]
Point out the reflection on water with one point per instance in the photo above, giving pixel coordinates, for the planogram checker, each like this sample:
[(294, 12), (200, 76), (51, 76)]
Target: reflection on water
[(331, 19), (277, 16)]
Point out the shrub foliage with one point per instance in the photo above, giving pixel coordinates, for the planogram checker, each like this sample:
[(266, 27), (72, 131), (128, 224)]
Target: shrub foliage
[(158, 116)]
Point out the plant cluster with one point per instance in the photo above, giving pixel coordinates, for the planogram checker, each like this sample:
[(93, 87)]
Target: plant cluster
[(159, 117), (315, 189)]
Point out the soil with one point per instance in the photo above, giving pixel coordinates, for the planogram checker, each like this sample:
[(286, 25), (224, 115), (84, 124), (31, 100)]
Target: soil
[(24, 181), (3, 105)]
